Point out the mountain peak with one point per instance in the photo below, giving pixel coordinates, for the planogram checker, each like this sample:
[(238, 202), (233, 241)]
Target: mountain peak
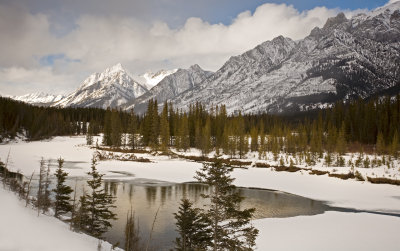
[(151, 79), (111, 88), (195, 67), (115, 68), (39, 98), (335, 21)]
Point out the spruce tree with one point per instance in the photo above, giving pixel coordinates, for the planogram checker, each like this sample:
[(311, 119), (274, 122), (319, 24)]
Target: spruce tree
[(81, 219), (230, 227), (242, 140), (89, 134), (46, 203), (116, 129), (192, 227), (62, 192), (184, 133), (164, 128), (380, 144), (394, 148), (132, 142), (341, 141), (254, 139), (206, 145), (107, 130), (99, 204), (39, 197), (261, 146), (43, 195)]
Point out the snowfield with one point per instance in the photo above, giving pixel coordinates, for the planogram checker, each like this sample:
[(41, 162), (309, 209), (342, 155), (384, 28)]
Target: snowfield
[(329, 231), (22, 230)]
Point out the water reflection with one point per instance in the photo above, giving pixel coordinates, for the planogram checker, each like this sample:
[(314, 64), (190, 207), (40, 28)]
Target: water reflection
[(145, 198)]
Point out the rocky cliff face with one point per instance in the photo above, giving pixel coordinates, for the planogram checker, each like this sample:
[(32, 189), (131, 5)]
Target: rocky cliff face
[(111, 88), (345, 59), (170, 87)]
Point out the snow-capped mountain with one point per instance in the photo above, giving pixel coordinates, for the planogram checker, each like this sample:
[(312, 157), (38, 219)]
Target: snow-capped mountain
[(150, 79), (39, 98), (111, 88), (170, 86), (345, 59)]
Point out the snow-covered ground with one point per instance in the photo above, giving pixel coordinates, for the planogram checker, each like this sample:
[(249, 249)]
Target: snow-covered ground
[(22, 230), (329, 231)]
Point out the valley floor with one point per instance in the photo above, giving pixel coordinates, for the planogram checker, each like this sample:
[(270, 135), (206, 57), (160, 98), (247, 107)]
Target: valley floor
[(328, 231)]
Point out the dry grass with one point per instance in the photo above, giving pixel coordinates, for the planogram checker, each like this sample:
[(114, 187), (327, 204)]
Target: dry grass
[(230, 162), (289, 169), (263, 165), (343, 176), (383, 181), (120, 150), (318, 172)]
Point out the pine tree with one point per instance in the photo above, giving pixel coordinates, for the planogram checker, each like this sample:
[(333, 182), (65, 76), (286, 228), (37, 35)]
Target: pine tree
[(154, 126), (62, 192), (380, 144), (99, 204), (206, 138), (43, 195), (192, 228), (394, 148), (341, 141), (89, 134), (261, 146), (81, 219), (116, 129), (107, 130), (164, 128), (242, 140), (46, 203), (184, 133), (132, 142), (230, 227), (254, 139)]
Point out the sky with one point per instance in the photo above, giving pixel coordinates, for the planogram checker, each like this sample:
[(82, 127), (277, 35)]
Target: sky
[(53, 45)]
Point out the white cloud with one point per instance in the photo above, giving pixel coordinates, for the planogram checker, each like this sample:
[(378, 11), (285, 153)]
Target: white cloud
[(19, 80), (98, 42)]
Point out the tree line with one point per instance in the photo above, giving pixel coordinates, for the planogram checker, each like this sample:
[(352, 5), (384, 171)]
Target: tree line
[(43, 122), (370, 123)]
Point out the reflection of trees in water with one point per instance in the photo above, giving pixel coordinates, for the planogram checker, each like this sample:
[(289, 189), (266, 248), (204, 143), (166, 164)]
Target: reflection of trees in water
[(131, 191), (195, 191), (111, 187), (163, 195), (267, 203), (151, 194)]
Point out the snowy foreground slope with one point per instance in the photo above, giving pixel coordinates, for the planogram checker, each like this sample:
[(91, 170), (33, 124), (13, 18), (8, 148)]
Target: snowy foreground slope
[(21, 229), (329, 231)]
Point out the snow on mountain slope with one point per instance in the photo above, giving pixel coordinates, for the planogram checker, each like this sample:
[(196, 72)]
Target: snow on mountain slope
[(345, 59), (39, 98), (111, 88), (171, 86), (150, 79)]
